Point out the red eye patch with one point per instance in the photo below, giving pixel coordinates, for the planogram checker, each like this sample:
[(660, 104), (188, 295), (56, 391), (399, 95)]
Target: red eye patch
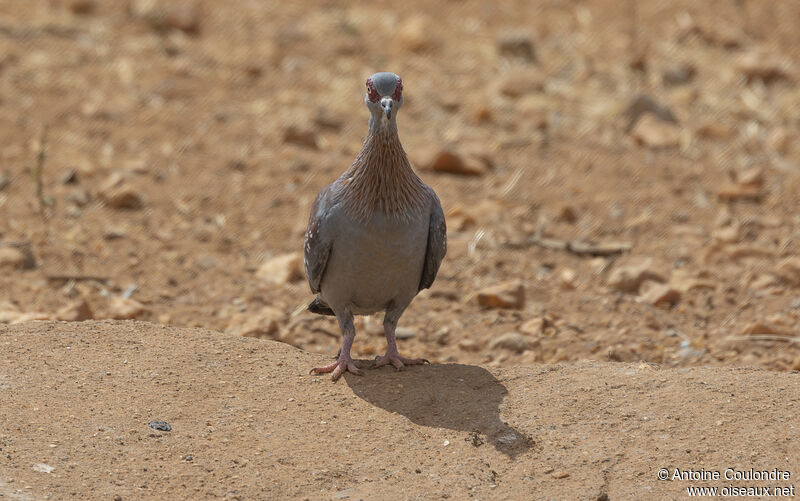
[(398, 91), (372, 92)]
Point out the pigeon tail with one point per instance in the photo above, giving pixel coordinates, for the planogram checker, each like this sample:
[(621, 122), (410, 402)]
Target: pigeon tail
[(319, 307)]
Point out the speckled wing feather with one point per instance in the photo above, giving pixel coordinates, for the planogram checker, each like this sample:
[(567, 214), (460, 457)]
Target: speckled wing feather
[(437, 244), (318, 240)]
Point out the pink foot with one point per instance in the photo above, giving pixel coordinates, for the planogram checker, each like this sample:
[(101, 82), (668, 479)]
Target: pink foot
[(338, 368), (397, 361)]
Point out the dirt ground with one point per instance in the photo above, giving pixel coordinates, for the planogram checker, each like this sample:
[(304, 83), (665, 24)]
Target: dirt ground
[(626, 173), (248, 422)]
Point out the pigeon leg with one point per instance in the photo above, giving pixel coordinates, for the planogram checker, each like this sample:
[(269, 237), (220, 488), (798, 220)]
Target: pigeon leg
[(392, 356), (343, 361)]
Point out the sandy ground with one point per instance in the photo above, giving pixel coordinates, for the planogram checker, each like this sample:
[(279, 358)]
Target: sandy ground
[(249, 422)]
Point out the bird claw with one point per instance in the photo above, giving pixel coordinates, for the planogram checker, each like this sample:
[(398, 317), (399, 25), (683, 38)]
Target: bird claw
[(397, 361), (338, 368)]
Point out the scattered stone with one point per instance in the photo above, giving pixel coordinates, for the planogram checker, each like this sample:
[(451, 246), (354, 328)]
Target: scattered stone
[(263, 323), (43, 468), (715, 131), (763, 281), (405, 333), (516, 83), (680, 75), (506, 295), (512, 341), (80, 196), (517, 45), (655, 133), (760, 64), (12, 257), (69, 176), (180, 15), (469, 345), (75, 312), (81, 7), (282, 269), (736, 192), (788, 271), (726, 234), (124, 308), (567, 214), (644, 104), (754, 176), (453, 163), (415, 35), (301, 136), (568, 278), (117, 194), (160, 426), (660, 294), (560, 474), (628, 278), (533, 327), (762, 328)]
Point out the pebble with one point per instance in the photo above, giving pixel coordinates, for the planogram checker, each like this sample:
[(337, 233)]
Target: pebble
[(679, 75), (512, 341), (760, 64), (180, 15), (453, 163), (75, 312), (643, 104), (660, 294), (516, 84), (263, 323), (560, 474), (81, 7), (79, 196), (301, 136), (788, 271), (469, 345), (628, 278), (160, 426), (652, 132), (43, 468), (405, 333), (505, 295), (123, 308), (757, 328), (754, 176), (517, 45), (281, 270), (12, 257), (568, 279), (533, 327), (734, 192), (119, 195)]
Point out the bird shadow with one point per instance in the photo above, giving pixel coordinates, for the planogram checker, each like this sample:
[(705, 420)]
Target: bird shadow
[(454, 396)]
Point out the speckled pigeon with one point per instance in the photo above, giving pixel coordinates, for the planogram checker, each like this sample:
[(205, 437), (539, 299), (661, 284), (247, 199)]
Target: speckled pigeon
[(376, 236)]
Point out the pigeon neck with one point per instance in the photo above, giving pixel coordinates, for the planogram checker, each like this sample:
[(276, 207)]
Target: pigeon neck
[(381, 178)]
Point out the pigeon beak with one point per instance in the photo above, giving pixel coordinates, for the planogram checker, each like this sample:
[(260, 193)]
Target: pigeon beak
[(386, 104)]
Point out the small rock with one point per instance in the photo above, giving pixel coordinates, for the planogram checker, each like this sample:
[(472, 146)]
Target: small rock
[(79, 196), (12, 257), (726, 234), (415, 34), (567, 214), (75, 312), (405, 333), (734, 192), (452, 163), (643, 104), (660, 294), (762, 328), (344, 493), (680, 75), (69, 176), (628, 278), (568, 278), (124, 308), (560, 474), (301, 136), (160, 426), (763, 281), (282, 269), (180, 15), (263, 323), (5, 180), (754, 176), (517, 45), (117, 194), (654, 133), (760, 64), (469, 345), (506, 295), (81, 6), (512, 341), (515, 84), (533, 327), (43, 468), (788, 271)]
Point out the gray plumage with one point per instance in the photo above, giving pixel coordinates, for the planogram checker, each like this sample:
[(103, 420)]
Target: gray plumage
[(377, 235)]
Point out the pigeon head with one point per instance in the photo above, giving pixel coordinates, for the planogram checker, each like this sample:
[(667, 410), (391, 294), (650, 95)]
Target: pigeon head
[(384, 95)]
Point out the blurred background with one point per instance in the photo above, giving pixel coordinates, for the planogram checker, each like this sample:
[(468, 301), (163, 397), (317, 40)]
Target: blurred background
[(620, 178)]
